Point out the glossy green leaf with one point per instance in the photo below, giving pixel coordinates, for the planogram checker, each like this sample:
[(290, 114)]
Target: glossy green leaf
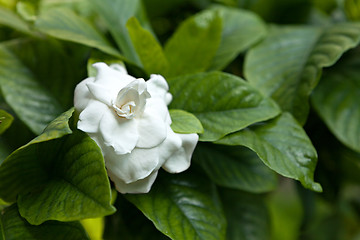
[(116, 14), (183, 207), (288, 64), (247, 215), (235, 167), (64, 24), (5, 120), (148, 49), (194, 44), (222, 102), (12, 20), (241, 29), (32, 103), (13, 226), (283, 146), (57, 176), (336, 99), (184, 122)]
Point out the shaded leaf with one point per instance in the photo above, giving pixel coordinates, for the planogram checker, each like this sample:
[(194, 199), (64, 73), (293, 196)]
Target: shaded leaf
[(33, 104), (283, 146), (12, 20), (13, 226), (184, 122), (5, 120), (148, 49), (194, 44), (64, 24), (288, 64), (235, 167), (247, 215), (222, 102), (183, 207), (241, 29), (336, 99)]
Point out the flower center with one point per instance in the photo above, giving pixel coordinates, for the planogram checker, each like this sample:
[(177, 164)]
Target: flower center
[(127, 110)]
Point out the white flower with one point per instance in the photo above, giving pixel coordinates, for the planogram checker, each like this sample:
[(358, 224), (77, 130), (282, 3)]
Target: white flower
[(129, 119)]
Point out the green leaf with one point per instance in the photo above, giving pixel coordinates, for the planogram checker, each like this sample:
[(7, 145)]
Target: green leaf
[(33, 104), (149, 50), (283, 146), (194, 44), (247, 215), (5, 120), (57, 176), (235, 167), (13, 226), (222, 102), (288, 64), (184, 122), (241, 29), (183, 207), (116, 14), (64, 24), (336, 100), (12, 20)]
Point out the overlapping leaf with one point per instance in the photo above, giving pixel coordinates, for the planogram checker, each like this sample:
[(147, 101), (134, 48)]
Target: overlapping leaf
[(241, 29), (13, 226), (283, 146), (235, 167), (33, 104), (57, 176), (64, 24), (184, 207), (5, 120), (184, 122), (287, 65), (222, 102), (336, 100), (12, 20), (194, 44)]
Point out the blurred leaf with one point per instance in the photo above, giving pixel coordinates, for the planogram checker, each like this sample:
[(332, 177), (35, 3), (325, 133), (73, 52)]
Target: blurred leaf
[(247, 216), (148, 49), (288, 64), (66, 25), (94, 227), (13, 226), (33, 104), (57, 177), (336, 100), (283, 146), (194, 44), (184, 122), (116, 14), (241, 29), (183, 207), (352, 9), (5, 120), (26, 10), (222, 102), (10, 19), (235, 167), (99, 57)]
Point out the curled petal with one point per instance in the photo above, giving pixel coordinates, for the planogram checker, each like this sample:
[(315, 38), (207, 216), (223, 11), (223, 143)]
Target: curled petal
[(133, 166), (90, 117), (140, 186), (82, 96), (119, 133), (101, 93), (180, 160), (152, 131)]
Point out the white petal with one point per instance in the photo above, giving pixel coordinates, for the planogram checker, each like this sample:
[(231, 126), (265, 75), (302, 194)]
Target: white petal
[(157, 87), (119, 68), (120, 133), (152, 131), (171, 145), (90, 117), (180, 160), (156, 106), (82, 95), (133, 166), (140, 186), (101, 93)]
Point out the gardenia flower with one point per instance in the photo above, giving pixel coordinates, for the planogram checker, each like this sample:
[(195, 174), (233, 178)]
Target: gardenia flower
[(128, 118)]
